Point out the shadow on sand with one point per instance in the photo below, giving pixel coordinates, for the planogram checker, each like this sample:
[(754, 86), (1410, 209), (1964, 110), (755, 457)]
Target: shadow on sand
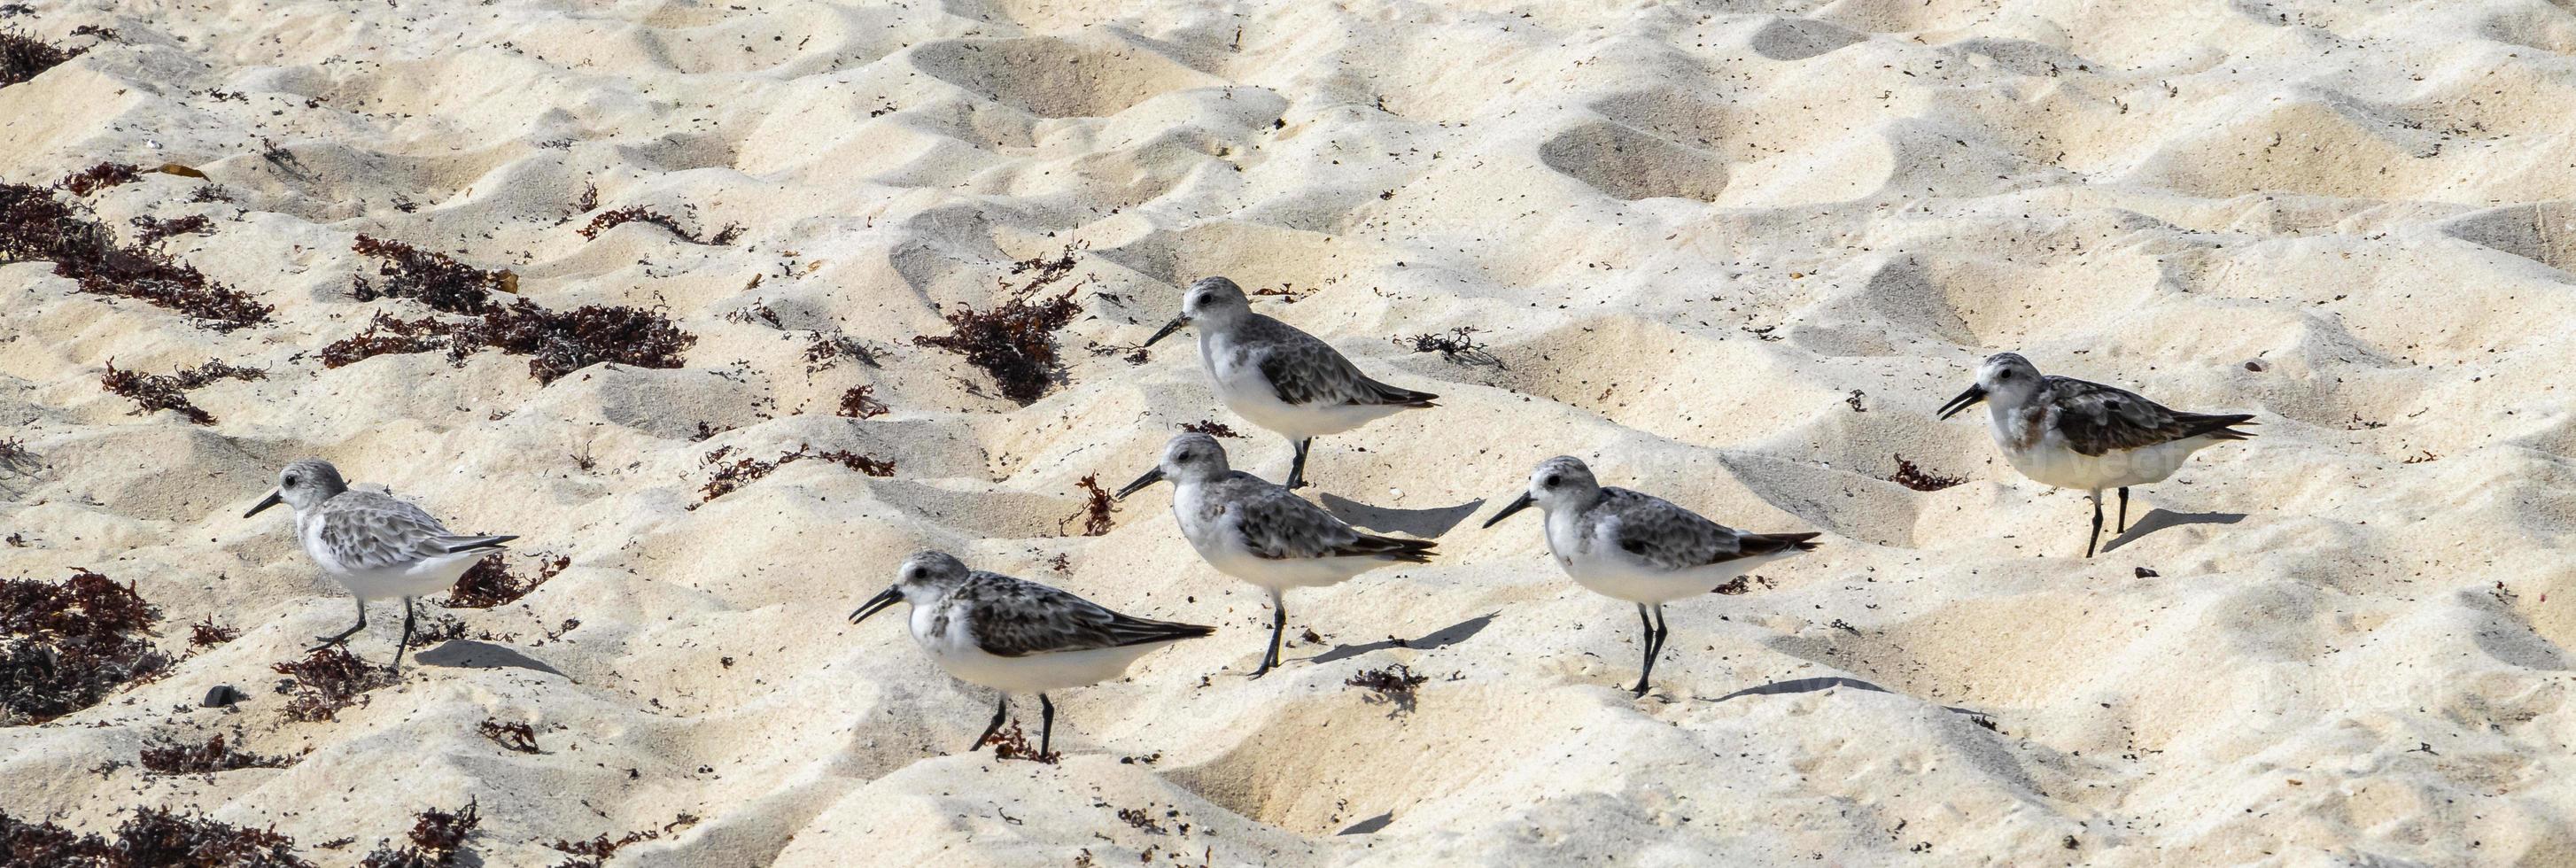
[(2159, 519), (1419, 523)]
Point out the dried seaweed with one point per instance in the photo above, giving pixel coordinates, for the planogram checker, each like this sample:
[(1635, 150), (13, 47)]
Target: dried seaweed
[(608, 220), (34, 225), (156, 392), (99, 177), (436, 839), (734, 475), (64, 647), (1393, 684), (829, 348), (1097, 506), (594, 853), (208, 634), (327, 681), (1919, 479), (1458, 346), (1013, 743), (152, 838), (1015, 341), (1209, 427), (154, 230), (556, 342), (168, 756), (489, 583), (515, 736), (23, 57), (860, 403)]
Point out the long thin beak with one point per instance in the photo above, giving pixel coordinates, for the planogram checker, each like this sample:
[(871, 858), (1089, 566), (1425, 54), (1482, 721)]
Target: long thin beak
[(876, 604), (273, 500), (1168, 328), (1519, 503), (1965, 400), (1151, 476)]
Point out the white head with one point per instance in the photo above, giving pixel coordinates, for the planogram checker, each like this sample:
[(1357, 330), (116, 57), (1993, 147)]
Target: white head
[(2006, 379), (1189, 457), (1559, 483), (923, 579), (303, 485), (1209, 302)]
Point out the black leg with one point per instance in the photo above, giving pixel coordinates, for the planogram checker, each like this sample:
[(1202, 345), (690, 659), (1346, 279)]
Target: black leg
[(1297, 469), (2096, 538), (2124, 509), (1278, 631), (405, 641), (1046, 725), (996, 726), (342, 637), (1654, 642)]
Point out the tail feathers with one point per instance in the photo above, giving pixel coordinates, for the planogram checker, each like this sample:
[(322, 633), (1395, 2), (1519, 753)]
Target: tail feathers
[(1131, 630), (2222, 427), (1386, 394), (1415, 551), (461, 544), (1769, 543)]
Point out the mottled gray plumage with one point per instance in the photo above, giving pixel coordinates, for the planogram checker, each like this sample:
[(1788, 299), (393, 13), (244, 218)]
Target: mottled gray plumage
[(364, 530), (1306, 371), (1277, 525), (1014, 617), (2096, 419), (1668, 537)]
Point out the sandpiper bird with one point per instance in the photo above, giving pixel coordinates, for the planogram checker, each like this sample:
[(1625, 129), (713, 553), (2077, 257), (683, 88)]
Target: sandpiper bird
[(2068, 433), (1282, 379), (375, 545), (1015, 635), (1641, 548), (1260, 533)]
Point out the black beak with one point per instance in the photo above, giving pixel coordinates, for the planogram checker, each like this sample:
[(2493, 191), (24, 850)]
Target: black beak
[(876, 604), (1168, 328), (1520, 503), (1965, 400), (1151, 476), (273, 500)]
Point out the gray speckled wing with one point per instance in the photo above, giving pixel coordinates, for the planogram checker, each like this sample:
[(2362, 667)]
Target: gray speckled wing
[(1016, 618), (365, 530), (2095, 418), (1653, 530), (1306, 371), (1278, 525)]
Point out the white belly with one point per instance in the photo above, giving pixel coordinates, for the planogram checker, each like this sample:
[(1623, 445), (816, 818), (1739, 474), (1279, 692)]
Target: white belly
[(2051, 462), (1248, 393), (956, 652), (1221, 544), (415, 579)]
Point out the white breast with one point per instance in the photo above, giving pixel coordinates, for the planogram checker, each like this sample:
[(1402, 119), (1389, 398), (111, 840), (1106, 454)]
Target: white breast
[(952, 645), (1610, 571), (1220, 542), (1247, 392)]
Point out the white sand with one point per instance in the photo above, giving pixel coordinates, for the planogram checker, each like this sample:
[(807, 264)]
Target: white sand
[(2343, 656)]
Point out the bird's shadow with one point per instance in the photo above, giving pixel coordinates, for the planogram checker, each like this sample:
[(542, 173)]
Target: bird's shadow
[(1419, 523), (1369, 825), (469, 654), (1811, 685), (2159, 519), (1441, 638)]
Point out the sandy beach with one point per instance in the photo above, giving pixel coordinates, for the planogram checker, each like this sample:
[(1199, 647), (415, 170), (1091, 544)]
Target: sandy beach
[(1732, 254)]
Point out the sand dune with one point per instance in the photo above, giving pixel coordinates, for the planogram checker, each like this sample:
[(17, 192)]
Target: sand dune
[(1730, 253)]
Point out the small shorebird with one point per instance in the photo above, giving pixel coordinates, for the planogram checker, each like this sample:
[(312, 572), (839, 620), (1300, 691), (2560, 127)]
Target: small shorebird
[(1641, 548), (1285, 380), (2068, 433), (375, 545), (1260, 533), (1017, 635)]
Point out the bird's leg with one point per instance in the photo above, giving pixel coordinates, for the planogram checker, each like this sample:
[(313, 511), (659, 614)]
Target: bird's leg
[(2124, 509), (1653, 642), (1278, 631), (405, 641), (342, 637), (1046, 726), (1297, 468), (2096, 538), (996, 726)]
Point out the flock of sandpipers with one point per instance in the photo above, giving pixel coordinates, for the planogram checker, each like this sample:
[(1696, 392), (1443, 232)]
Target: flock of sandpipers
[(1014, 635)]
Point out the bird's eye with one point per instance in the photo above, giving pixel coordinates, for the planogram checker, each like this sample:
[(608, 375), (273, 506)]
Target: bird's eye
[(288, 483), (1549, 482)]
